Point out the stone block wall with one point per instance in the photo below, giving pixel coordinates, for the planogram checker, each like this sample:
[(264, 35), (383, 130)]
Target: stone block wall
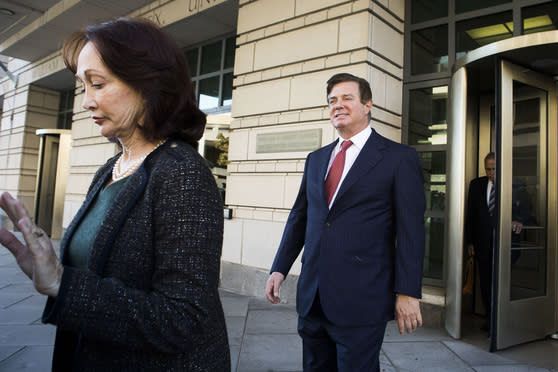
[(25, 110)]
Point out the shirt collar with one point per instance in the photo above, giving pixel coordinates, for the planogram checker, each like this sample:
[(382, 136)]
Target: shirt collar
[(359, 139)]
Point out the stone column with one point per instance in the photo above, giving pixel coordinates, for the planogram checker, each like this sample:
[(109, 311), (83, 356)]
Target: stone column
[(25, 110), (286, 52)]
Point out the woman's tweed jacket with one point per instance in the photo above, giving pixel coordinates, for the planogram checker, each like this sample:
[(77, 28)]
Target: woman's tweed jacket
[(149, 299)]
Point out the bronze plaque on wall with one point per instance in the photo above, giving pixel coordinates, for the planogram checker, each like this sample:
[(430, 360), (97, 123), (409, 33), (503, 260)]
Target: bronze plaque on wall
[(291, 141)]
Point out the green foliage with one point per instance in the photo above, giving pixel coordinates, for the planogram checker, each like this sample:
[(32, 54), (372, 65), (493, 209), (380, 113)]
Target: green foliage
[(222, 145)]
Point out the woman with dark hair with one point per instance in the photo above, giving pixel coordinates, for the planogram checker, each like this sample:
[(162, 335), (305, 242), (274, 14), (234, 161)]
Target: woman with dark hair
[(136, 287)]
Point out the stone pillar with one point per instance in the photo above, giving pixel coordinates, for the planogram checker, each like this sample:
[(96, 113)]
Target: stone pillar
[(286, 52), (25, 110)]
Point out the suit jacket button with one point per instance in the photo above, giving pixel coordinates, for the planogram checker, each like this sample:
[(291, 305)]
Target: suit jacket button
[(328, 224)]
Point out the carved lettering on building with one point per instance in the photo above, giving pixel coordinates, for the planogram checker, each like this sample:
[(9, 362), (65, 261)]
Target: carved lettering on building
[(291, 141), (198, 5)]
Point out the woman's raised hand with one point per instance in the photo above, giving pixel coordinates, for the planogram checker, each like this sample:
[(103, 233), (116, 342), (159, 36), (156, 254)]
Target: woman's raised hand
[(36, 257)]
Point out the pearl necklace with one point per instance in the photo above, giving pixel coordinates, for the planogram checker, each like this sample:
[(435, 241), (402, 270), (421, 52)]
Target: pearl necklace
[(118, 173)]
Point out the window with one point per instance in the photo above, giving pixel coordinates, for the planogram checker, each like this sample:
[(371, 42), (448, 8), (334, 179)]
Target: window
[(211, 67), (429, 50), (476, 32), (427, 116), (462, 6), (540, 18), (434, 172), (65, 109), (427, 132), (426, 10)]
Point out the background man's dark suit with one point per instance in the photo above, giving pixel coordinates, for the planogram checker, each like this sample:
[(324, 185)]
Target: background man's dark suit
[(480, 225), (479, 231), (350, 251)]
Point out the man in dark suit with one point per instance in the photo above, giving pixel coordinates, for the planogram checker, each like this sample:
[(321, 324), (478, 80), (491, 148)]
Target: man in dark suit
[(480, 224), (360, 216)]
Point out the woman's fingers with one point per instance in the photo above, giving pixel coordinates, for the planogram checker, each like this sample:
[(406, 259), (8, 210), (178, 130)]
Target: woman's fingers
[(13, 207), (6, 203), (47, 269), (19, 250), (36, 258)]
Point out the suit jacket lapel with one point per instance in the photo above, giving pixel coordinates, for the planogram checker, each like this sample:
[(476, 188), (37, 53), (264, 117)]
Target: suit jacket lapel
[(123, 203), (369, 156)]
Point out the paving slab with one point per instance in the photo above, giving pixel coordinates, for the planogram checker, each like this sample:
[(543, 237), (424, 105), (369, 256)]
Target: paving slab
[(385, 364), (29, 359), (272, 321), (15, 316), (423, 356), (420, 334), (235, 353), (235, 329), (27, 335), (234, 305), (7, 351), (9, 299), (281, 352), (476, 356), (511, 368)]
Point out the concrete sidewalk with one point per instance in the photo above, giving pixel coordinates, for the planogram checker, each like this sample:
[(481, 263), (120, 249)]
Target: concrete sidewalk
[(262, 337)]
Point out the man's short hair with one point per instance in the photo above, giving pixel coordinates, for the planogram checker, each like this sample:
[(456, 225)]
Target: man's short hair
[(363, 86), (490, 155)]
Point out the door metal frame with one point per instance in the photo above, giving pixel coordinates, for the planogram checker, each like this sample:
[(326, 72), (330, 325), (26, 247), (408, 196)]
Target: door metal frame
[(510, 327), (63, 165), (457, 134)]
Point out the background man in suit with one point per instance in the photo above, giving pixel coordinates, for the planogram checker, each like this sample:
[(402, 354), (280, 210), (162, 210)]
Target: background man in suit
[(359, 214), (480, 224)]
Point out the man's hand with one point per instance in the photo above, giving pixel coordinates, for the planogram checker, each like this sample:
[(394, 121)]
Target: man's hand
[(517, 227), (273, 286), (407, 313)]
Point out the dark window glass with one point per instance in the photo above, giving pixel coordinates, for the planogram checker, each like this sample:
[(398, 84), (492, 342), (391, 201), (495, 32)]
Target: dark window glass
[(227, 89), (468, 5), (192, 57), (209, 93), (477, 32), (65, 110), (540, 18), (429, 50), (428, 116), (434, 173), (229, 52), (211, 58), (529, 250), (425, 10), (434, 248)]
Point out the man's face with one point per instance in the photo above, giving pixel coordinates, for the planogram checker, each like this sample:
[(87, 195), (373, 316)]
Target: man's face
[(346, 112), (490, 168)]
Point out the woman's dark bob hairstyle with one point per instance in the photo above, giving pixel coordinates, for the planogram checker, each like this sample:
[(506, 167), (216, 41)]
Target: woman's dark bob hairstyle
[(146, 58)]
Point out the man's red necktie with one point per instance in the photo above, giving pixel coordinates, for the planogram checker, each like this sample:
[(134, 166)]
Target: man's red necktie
[(335, 172)]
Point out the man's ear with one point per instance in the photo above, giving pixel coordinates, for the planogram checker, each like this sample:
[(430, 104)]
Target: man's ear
[(369, 105)]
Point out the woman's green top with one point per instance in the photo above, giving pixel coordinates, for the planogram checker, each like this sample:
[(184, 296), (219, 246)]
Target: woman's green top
[(86, 232)]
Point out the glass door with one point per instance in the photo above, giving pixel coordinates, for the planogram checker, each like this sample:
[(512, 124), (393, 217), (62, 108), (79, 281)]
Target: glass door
[(524, 302)]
